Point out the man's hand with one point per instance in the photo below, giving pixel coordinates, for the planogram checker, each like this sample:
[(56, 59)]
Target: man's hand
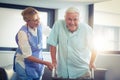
[(92, 66)]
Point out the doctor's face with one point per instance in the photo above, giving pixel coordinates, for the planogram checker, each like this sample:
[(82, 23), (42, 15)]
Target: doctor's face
[(34, 21), (72, 21)]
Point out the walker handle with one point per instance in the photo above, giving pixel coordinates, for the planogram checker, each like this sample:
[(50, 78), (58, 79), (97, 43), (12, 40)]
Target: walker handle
[(54, 72), (92, 73)]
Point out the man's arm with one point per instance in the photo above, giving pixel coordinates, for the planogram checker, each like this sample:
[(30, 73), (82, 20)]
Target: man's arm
[(92, 60), (53, 55)]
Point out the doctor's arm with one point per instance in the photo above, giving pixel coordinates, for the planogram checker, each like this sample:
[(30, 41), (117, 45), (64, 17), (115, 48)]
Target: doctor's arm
[(26, 50)]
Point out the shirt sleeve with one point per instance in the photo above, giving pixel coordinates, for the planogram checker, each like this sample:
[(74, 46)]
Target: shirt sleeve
[(24, 44), (53, 37), (90, 37)]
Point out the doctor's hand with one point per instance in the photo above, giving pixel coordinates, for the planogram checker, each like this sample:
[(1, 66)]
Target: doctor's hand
[(49, 65)]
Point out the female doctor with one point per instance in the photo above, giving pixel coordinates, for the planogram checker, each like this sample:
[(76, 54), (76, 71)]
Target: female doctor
[(28, 59)]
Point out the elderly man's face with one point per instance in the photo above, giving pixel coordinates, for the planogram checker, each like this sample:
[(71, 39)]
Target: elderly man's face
[(72, 20)]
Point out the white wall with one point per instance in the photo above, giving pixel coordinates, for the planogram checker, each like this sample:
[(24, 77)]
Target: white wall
[(10, 22), (109, 19), (107, 13), (110, 6)]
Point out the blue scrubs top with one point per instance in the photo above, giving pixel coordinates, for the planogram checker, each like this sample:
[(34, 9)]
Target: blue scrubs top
[(74, 49), (33, 70)]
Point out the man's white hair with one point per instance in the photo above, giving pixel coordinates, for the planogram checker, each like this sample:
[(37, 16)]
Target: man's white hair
[(72, 9)]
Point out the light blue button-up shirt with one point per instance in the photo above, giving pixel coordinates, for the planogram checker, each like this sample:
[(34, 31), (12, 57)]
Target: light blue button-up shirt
[(74, 49)]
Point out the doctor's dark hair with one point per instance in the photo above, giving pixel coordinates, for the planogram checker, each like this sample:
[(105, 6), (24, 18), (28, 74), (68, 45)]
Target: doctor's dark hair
[(29, 13)]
